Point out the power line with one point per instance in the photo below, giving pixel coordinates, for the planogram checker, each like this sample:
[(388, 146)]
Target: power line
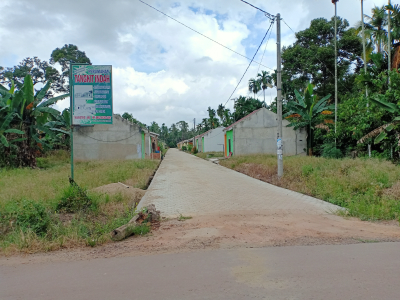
[(272, 22), (266, 44), (200, 33), (268, 15)]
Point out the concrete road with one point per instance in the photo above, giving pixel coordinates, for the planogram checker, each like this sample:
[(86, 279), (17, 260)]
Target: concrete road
[(188, 185), (358, 271)]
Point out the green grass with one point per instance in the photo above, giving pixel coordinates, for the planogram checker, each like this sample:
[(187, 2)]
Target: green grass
[(45, 184), (205, 155), (183, 218), (40, 211), (368, 188)]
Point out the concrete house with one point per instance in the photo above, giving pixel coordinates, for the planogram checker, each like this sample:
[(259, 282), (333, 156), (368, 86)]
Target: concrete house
[(212, 140), (120, 140), (257, 133)]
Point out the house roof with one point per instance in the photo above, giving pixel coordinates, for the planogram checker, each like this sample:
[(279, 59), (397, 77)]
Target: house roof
[(250, 114)]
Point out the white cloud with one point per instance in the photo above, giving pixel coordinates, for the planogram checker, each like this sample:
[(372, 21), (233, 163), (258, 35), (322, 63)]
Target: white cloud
[(162, 70)]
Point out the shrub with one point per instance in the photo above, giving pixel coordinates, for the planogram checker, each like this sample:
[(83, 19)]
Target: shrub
[(184, 148), (190, 147), (330, 151), (74, 199), (27, 215), (194, 150)]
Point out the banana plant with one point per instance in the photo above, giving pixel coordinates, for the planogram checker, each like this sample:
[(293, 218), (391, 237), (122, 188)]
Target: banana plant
[(305, 112), (381, 132), (23, 111)]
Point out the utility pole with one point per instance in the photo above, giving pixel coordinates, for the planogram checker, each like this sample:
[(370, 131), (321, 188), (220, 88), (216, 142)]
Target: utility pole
[(279, 97), (336, 91), (365, 62), (194, 130), (389, 44)]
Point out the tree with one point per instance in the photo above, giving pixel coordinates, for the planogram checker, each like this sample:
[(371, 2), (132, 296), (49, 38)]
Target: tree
[(65, 55), (306, 111), (40, 72), (254, 86), (375, 27), (212, 121), (244, 106), (28, 113), (312, 57), (265, 81)]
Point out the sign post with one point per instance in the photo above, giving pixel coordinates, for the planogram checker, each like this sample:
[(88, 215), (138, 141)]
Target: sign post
[(91, 100)]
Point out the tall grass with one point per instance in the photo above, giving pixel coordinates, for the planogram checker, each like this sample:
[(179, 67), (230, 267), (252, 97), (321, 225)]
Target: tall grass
[(368, 188), (46, 183), (32, 203)]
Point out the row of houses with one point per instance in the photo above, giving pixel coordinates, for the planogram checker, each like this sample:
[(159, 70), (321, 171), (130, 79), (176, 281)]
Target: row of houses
[(255, 133), (118, 141)]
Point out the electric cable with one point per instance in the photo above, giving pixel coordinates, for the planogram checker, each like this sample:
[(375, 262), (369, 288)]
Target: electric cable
[(268, 15), (250, 63), (200, 33), (266, 44)]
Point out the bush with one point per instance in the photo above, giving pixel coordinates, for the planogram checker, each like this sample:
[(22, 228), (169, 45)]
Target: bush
[(184, 148), (27, 215), (330, 151), (194, 150), (190, 147), (74, 199)]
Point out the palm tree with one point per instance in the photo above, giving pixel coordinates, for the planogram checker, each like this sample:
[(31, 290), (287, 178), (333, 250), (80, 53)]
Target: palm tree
[(265, 81), (375, 30), (305, 112), (254, 86), (220, 112)]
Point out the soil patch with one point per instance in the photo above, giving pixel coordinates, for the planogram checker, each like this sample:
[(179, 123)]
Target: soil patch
[(134, 194), (234, 230)]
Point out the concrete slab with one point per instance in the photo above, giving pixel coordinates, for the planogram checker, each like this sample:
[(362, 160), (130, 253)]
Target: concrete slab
[(188, 185)]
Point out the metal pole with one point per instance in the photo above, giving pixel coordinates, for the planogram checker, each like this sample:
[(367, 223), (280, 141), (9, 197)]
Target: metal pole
[(363, 38), (71, 125), (365, 63), (389, 44), (279, 97), (336, 91)]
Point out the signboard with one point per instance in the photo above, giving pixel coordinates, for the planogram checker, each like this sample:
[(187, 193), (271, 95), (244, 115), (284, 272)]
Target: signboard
[(91, 95)]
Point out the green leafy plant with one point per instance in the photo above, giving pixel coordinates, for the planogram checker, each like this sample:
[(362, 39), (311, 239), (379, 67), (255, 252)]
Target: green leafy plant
[(306, 112), (74, 199), (28, 215), (330, 151)]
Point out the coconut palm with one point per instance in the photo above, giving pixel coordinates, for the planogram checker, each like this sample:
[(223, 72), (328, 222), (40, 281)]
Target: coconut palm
[(305, 112), (265, 81)]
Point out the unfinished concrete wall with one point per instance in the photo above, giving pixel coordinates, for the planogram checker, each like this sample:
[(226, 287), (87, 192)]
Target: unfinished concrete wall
[(121, 140), (258, 134), (214, 140)]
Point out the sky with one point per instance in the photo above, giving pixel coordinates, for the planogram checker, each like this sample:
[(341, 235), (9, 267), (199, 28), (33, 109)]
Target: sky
[(163, 71)]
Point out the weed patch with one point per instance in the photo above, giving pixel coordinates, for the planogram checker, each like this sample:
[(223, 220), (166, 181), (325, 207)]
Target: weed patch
[(183, 218), (59, 214), (368, 188)]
